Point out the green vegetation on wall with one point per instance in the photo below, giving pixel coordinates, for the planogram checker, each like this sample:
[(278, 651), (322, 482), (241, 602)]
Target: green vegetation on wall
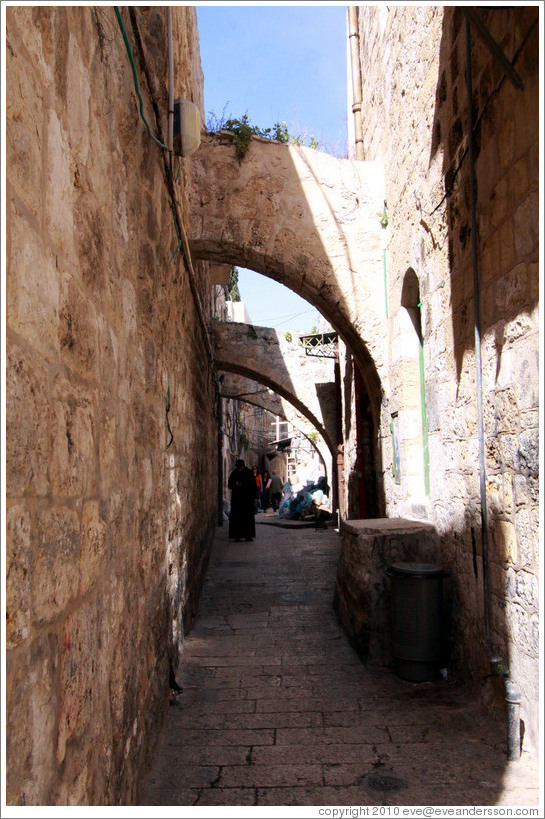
[(234, 293), (243, 130)]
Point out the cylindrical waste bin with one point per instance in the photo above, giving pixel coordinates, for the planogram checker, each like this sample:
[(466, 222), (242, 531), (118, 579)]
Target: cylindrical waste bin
[(416, 620)]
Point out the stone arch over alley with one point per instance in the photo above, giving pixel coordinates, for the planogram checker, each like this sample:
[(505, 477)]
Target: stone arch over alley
[(239, 388), (306, 219), (263, 355)]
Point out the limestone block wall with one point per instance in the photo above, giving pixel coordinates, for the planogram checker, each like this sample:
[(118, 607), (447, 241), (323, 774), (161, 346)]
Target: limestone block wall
[(416, 121), (110, 498)]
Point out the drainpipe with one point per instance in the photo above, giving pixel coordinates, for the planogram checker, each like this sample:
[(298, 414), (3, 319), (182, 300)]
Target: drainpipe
[(478, 366), (512, 693), (354, 37), (170, 140), (423, 411), (513, 697), (219, 413), (337, 499)]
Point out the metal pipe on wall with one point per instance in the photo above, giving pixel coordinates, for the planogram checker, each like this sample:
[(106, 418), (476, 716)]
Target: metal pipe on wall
[(478, 364), (219, 413), (170, 140), (354, 37)]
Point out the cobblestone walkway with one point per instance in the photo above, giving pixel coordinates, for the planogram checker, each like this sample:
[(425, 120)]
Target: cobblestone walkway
[(277, 709)]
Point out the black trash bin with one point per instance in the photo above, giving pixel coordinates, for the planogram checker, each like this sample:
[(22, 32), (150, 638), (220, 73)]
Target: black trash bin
[(416, 620)]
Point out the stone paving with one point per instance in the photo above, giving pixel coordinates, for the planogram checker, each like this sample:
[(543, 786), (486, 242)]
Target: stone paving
[(277, 709)]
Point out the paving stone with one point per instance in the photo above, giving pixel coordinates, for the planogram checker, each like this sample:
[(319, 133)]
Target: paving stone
[(233, 705), (333, 754), (194, 736), (308, 736), (298, 704), (271, 775), (215, 693), (224, 797), (240, 660), (192, 776), (275, 719), (157, 794), (314, 796), (204, 721)]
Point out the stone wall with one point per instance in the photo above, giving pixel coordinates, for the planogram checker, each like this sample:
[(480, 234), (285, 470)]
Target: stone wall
[(110, 498), (416, 121)]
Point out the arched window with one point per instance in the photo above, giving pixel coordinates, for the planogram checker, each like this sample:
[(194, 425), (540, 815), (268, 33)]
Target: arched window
[(415, 431)]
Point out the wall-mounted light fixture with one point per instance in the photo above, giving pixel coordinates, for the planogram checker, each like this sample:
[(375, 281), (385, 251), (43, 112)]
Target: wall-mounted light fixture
[(187, 128)]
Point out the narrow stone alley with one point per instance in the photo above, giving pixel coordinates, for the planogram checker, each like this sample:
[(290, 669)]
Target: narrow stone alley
[(277, 709)]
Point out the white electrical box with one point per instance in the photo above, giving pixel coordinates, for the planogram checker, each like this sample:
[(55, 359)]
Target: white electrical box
[(187, 128)]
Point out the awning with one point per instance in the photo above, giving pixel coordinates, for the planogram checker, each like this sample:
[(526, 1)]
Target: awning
[(281, 444)]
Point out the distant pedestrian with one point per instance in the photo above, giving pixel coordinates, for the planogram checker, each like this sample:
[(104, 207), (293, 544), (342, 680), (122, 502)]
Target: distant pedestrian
[(276, 491), (258, 480), (266, 490), (243, 498)]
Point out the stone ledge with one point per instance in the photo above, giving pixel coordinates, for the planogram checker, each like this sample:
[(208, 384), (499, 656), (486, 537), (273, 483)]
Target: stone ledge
[(385, 526), (362, 592)]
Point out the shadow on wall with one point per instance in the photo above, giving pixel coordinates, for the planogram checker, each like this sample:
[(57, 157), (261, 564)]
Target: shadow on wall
[(503, 207), (506, 155)]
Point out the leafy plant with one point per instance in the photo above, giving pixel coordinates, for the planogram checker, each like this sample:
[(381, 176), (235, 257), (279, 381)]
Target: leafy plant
[(288, 335), (243, 130), (234, 293), (251, 333), (243, 440), (383, 217)]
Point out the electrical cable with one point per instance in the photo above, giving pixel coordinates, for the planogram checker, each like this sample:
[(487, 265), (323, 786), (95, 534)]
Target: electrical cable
[(135, 77), (182, 238), (178, 235), (167, 409), (179, 170)]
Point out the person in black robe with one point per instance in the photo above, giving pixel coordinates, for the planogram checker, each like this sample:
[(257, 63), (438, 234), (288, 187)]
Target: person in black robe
[(243, 497)]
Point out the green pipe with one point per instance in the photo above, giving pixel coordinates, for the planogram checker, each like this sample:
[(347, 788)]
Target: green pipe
[(423, 406), (179, 238), (135, 77), (385, 284)]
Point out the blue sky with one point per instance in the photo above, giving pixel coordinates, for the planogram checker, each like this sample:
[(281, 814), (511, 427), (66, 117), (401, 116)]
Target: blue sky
[(277, 63)]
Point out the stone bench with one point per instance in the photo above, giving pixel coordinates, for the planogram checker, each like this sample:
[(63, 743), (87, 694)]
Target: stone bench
[(362, 592)]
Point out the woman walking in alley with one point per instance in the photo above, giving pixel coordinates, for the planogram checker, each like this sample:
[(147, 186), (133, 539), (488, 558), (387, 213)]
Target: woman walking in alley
[(243, 498), (266, 491)]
